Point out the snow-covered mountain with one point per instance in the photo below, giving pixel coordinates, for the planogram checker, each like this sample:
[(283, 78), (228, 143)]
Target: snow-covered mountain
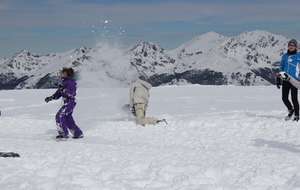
[(250, 58)]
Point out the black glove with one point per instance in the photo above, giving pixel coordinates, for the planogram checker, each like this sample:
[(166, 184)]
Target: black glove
[(278, 82), (48, 99), (133, 111), (59, 86)]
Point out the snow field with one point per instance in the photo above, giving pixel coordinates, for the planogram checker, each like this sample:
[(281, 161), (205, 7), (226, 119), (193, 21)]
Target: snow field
[(218, 137)]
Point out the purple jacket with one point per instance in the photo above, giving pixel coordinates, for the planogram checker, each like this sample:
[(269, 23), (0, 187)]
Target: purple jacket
[(69, 91)]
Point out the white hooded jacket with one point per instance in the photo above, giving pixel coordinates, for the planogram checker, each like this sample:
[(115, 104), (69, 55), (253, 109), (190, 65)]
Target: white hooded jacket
[(139, 92)]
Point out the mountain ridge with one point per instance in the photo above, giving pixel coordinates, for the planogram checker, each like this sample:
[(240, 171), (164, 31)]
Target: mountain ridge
[(250, 58)]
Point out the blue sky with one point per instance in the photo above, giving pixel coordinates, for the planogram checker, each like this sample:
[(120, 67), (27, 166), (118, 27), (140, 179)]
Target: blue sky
[(50, 26)]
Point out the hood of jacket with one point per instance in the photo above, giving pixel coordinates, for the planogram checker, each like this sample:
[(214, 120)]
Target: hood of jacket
[(144, 83), (139, 92)]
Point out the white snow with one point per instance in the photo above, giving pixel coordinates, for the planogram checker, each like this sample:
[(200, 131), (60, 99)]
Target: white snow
[(218, 137)]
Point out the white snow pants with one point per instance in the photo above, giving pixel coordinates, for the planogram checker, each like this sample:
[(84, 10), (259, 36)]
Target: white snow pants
[(140, 111)]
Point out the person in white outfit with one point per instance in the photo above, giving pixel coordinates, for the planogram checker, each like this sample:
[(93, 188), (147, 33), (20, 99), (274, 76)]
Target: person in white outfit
[(139, 99)]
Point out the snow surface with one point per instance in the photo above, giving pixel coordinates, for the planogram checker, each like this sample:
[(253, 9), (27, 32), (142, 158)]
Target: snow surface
[(218, 137)]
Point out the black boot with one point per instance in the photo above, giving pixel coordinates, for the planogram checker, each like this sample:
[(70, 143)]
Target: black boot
[(78, 137), (61, 137), (296, 118), (290, 114)]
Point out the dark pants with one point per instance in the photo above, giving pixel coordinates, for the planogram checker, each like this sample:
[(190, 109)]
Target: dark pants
[(286, 88), (65, 121)]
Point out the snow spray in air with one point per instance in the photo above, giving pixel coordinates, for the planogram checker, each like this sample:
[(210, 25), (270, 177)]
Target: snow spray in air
[(105, 69), (106, 34)]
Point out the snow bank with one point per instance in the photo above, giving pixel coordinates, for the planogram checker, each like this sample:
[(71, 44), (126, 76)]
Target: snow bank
[(218, 137)]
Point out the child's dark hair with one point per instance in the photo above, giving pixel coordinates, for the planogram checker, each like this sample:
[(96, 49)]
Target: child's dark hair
[(69, 71)]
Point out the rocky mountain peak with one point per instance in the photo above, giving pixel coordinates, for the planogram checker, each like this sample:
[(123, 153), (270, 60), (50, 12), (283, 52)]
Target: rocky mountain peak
[(143, 48)]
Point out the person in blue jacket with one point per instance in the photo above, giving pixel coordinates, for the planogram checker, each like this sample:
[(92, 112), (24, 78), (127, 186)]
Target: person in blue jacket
[(290, 64), (64, 119)]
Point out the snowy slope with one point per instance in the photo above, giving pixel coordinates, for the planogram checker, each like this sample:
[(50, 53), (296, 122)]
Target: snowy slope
[(249, 49), (250, 58), (152, 58), (256, 46), (194, 52), (218, 137), (98, 67)]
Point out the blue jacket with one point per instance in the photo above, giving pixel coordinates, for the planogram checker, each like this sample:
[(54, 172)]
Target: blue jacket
[(291, 65)]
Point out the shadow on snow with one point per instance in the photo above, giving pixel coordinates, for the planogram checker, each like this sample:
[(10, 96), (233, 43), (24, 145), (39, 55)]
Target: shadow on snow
[(279, 145)]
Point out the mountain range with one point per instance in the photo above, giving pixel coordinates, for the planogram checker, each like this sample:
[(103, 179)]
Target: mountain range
[(250, 58)]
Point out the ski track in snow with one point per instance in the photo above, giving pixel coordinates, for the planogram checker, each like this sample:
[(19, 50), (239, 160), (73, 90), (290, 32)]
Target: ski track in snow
[(218, 137)]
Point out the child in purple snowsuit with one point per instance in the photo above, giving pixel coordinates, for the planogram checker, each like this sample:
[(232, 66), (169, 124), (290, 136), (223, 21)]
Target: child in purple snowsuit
[(64, 118)]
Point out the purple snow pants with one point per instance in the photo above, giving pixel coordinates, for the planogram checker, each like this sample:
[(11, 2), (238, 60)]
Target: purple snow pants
[(65, 121)]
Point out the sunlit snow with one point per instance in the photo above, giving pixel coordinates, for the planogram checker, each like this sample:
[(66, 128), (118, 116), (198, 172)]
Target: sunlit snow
[(218, 137)]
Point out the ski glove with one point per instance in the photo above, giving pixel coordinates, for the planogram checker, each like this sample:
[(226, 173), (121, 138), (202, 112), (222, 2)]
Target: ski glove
[(48, 99), (284, 76), (278, 82), (59, 86)]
